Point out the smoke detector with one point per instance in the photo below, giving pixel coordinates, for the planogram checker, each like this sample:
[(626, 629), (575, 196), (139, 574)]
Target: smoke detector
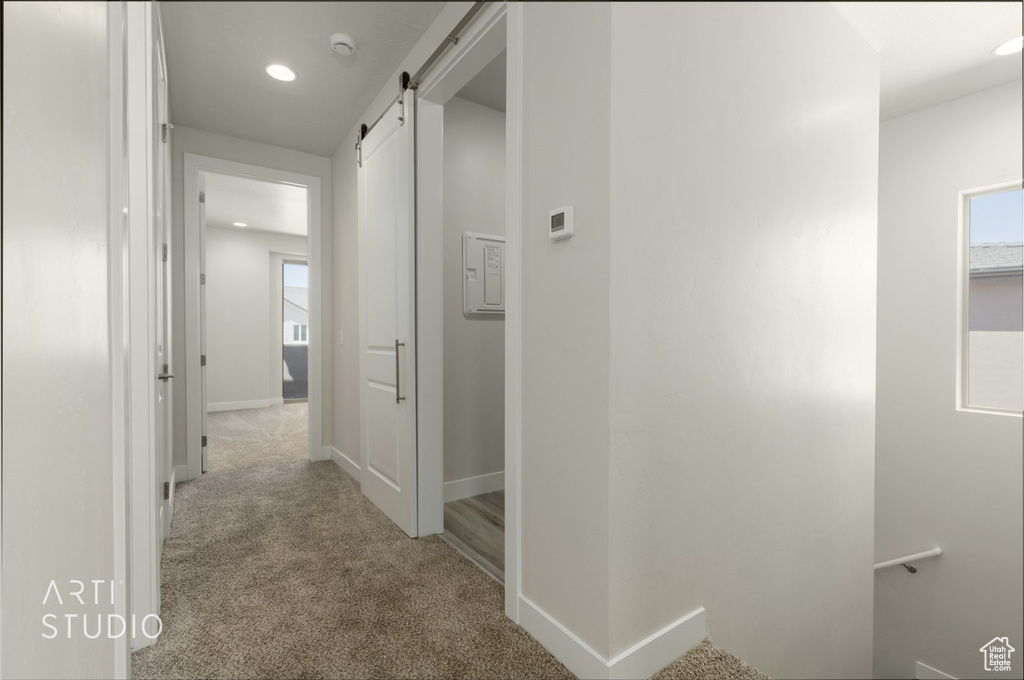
[(343, 44)]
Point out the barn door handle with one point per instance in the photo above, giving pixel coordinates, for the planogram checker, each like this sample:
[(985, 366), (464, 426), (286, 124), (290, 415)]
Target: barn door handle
[(398, 375)]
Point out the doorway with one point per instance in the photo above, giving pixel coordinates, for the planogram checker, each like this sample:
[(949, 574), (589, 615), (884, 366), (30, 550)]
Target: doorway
[(253, 276), (466, 286), (474, 318), (402, 350), (244, 224)]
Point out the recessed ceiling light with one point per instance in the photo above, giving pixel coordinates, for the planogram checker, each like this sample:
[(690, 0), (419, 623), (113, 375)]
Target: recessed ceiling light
[(281, 72), (1010, 46), (240, 224)]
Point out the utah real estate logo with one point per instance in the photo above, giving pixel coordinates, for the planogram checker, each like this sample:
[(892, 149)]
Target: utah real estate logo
[(997, 654)]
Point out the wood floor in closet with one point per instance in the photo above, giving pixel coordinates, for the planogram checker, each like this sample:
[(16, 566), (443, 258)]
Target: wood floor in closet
[(476, 526)]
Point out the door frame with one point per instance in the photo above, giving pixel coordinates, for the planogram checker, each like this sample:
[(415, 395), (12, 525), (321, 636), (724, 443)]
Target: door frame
[(120, 355), (498, 26), (143, 474), (194, 166)]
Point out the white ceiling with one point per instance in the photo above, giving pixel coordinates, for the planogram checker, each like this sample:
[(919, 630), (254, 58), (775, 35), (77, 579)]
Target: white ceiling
[(217, 53), (932, 52), (488, 87), (262, 205)]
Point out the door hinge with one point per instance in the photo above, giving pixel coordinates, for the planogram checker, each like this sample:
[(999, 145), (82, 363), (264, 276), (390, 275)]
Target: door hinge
[(202, 197), (363, 131), (204, 441), (164, 255), (202, 359), (403, 85), (202, 279), (167, 491), (163, 132)]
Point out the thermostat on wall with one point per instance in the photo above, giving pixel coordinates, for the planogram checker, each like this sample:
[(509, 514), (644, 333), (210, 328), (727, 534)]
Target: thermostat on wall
[(560, 223)]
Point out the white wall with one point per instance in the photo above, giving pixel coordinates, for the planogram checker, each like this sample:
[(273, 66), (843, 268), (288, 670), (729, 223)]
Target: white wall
[(58, 488), (345, 336), (474, 349), (744, 195), (565, 317), (186, 140), (239, 323), (944, 477)]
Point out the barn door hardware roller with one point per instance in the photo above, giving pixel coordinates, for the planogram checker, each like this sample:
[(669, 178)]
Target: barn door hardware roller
[(405, 82)]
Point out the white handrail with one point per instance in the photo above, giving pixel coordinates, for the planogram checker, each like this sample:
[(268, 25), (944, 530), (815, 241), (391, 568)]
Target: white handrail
[(916, 557)]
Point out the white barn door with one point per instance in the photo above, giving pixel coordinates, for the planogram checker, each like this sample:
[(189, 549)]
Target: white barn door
[(387, 328)]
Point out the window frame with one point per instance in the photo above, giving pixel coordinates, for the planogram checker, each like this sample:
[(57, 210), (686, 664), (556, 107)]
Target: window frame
[(963, 309)]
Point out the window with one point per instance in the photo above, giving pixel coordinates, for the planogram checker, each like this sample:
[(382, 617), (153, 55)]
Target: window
[(299, 333), (992, 318)]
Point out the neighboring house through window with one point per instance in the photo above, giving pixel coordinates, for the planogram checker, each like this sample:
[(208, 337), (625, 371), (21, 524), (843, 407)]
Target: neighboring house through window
[(993, 344), (296, 315)]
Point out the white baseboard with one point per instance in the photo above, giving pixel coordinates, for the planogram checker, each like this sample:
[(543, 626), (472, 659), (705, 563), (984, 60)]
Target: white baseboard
[(642, 660), (577, 656), (653, 653), (241, 405), (925, 672), (458, 489), (343, 461)]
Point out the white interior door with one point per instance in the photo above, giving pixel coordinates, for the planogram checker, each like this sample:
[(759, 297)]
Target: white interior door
[(162, 237), (387, 328), (202, 313)]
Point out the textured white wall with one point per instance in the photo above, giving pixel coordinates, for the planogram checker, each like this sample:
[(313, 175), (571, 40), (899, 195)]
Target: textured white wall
[(345, 433), (564, 478), (57, 422), (186, 140), (239, 324), (474, 349), (744, 197), (944, 477)]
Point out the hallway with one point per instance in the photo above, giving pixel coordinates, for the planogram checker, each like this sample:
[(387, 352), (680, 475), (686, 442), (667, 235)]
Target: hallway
[(287, 570), (281, 568), (260, 579)]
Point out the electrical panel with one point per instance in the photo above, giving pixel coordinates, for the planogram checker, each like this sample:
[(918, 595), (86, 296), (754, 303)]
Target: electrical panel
[(483, 275)]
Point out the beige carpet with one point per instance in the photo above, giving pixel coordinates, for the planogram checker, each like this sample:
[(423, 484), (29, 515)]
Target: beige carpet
[(285, 570), (257, 436), (708, 662)]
